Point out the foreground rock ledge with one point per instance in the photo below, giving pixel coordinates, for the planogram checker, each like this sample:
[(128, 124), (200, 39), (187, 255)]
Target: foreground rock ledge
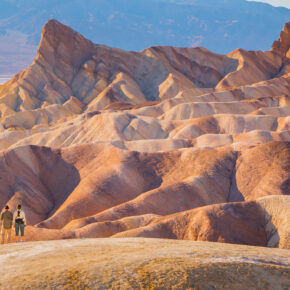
[(138, 263)]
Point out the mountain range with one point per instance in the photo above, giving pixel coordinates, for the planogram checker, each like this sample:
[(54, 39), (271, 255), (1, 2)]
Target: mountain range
[(168, 142), (220, 26)]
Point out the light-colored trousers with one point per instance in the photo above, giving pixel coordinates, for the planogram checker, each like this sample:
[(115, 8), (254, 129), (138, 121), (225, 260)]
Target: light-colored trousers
[(5, 233)]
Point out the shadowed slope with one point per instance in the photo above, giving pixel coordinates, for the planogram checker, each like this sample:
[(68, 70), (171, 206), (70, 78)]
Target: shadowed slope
[(37, 177), (252, 223)]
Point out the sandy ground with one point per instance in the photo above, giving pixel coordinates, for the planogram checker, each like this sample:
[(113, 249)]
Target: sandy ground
[(138, 263)]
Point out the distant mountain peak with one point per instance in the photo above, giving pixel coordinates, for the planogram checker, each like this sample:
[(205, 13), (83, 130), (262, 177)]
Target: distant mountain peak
[(61, 47), (220, 26), (282, 46)]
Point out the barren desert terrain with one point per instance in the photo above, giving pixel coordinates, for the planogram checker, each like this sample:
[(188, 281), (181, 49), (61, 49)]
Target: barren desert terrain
[(177, 143), (138, 263)]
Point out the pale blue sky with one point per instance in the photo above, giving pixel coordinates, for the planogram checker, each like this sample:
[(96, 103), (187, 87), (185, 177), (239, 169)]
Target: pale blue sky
[(284, 3)]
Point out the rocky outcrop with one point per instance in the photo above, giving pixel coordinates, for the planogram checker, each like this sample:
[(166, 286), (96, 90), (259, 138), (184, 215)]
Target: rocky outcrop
[(253, 179), (276, 215), (282, 46)]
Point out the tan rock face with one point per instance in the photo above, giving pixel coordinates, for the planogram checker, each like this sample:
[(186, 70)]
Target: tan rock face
[(259, 177), (276, 214), (177, 143)]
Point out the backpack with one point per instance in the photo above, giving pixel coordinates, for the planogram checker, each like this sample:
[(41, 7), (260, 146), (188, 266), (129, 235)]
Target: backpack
[(18, 219)]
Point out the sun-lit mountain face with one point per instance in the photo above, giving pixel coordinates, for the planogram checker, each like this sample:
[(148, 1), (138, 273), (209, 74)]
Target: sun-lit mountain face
[(220, 26)]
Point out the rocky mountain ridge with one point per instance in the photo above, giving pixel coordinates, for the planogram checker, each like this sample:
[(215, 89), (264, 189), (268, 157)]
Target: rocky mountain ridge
[(170, 142), (220, 26)]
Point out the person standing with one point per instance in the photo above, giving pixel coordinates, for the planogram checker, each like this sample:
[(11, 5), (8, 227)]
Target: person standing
[(7, 222), (19, 223)]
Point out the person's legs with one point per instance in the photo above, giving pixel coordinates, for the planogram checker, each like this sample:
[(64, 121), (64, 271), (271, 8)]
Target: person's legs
[(8, 235), (22, 232), (2, 235), (17, 232)]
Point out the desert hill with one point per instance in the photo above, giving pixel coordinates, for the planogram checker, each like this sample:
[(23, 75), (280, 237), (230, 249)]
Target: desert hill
[(142, 263), (168, 142)]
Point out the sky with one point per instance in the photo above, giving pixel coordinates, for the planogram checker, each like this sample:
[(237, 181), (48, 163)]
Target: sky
[(284, 3)]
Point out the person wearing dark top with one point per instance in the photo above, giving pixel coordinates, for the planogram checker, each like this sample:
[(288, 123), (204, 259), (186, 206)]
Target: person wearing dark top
[(7, 222)]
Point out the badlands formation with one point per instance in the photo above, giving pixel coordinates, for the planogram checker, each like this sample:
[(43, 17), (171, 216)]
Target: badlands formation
[(177, 143)]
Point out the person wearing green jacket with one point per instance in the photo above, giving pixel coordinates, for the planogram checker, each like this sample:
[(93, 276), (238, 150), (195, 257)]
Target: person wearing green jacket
[(7, 222)]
